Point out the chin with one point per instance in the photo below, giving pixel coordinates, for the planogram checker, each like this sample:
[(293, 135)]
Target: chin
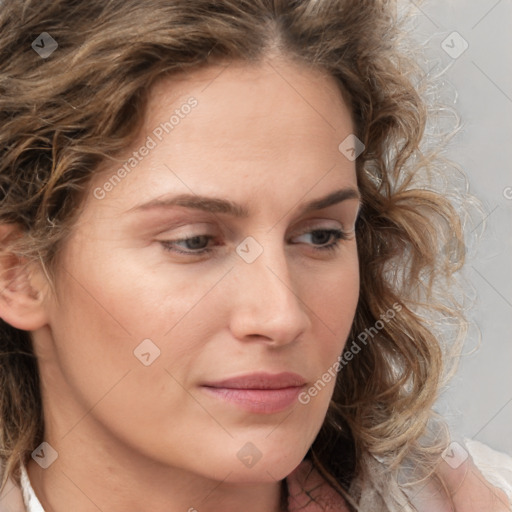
[(271, 467)]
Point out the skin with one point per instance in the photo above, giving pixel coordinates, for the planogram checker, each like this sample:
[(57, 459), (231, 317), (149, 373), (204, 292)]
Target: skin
[(131, 437), (469, 489)]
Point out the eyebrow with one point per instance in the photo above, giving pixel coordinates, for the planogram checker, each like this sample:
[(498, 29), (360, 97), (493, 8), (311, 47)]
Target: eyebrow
[(218, 205)]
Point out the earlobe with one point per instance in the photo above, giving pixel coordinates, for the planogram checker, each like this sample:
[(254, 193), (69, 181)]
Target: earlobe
[(21, 287)]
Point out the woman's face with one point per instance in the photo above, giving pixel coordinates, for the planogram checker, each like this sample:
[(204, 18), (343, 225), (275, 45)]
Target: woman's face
[(145, 319)]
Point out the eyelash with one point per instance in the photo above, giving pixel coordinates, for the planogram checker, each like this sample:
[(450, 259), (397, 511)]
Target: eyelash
[(333, 246)]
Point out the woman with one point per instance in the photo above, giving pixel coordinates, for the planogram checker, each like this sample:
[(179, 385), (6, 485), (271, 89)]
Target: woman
[(212, 246)]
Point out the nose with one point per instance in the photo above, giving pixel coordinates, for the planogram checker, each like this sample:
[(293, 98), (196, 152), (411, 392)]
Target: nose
[(266, 302)]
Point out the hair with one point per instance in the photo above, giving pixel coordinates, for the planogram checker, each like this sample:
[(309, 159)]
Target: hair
[(63, 116)]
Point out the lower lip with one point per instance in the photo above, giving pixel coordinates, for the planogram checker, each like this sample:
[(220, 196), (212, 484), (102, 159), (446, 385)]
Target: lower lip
[(263, 401)]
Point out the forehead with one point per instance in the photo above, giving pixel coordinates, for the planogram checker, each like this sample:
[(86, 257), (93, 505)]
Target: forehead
[(274, 127), (274, 112), (272, 90)]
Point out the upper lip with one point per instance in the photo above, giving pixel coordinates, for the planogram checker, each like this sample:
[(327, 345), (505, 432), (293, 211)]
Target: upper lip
[(260, 380)]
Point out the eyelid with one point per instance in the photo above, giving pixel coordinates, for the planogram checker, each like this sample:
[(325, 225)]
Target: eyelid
[(176, 228), (323, 224), (192, 229), (186, 229)]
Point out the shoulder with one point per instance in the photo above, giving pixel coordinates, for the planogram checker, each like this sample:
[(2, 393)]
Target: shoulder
[(482, 481)]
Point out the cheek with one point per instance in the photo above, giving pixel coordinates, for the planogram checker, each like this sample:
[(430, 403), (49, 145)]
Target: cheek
[(107, 312), (333, 301), (96, 328)]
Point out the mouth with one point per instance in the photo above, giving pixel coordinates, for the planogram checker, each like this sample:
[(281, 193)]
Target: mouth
[(262, 393)]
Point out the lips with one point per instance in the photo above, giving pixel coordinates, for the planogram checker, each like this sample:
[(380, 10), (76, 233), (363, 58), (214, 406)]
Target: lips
[(261, 381), (262, 393)]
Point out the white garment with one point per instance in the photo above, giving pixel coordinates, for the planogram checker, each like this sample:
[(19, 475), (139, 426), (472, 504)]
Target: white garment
[(495, 466), (32, 504)]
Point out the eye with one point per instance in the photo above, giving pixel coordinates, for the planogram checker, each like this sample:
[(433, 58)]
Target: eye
[(194, 244), (197, 245), (323, 235)]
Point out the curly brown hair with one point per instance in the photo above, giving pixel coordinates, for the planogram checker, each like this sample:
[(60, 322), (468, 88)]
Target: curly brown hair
[(62, 116)]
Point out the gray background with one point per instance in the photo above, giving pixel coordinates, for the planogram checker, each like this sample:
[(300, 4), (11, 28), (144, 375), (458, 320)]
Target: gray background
[(478, 401)]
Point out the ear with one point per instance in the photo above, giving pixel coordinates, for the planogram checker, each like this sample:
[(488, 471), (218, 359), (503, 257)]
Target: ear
[(22, 286)]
